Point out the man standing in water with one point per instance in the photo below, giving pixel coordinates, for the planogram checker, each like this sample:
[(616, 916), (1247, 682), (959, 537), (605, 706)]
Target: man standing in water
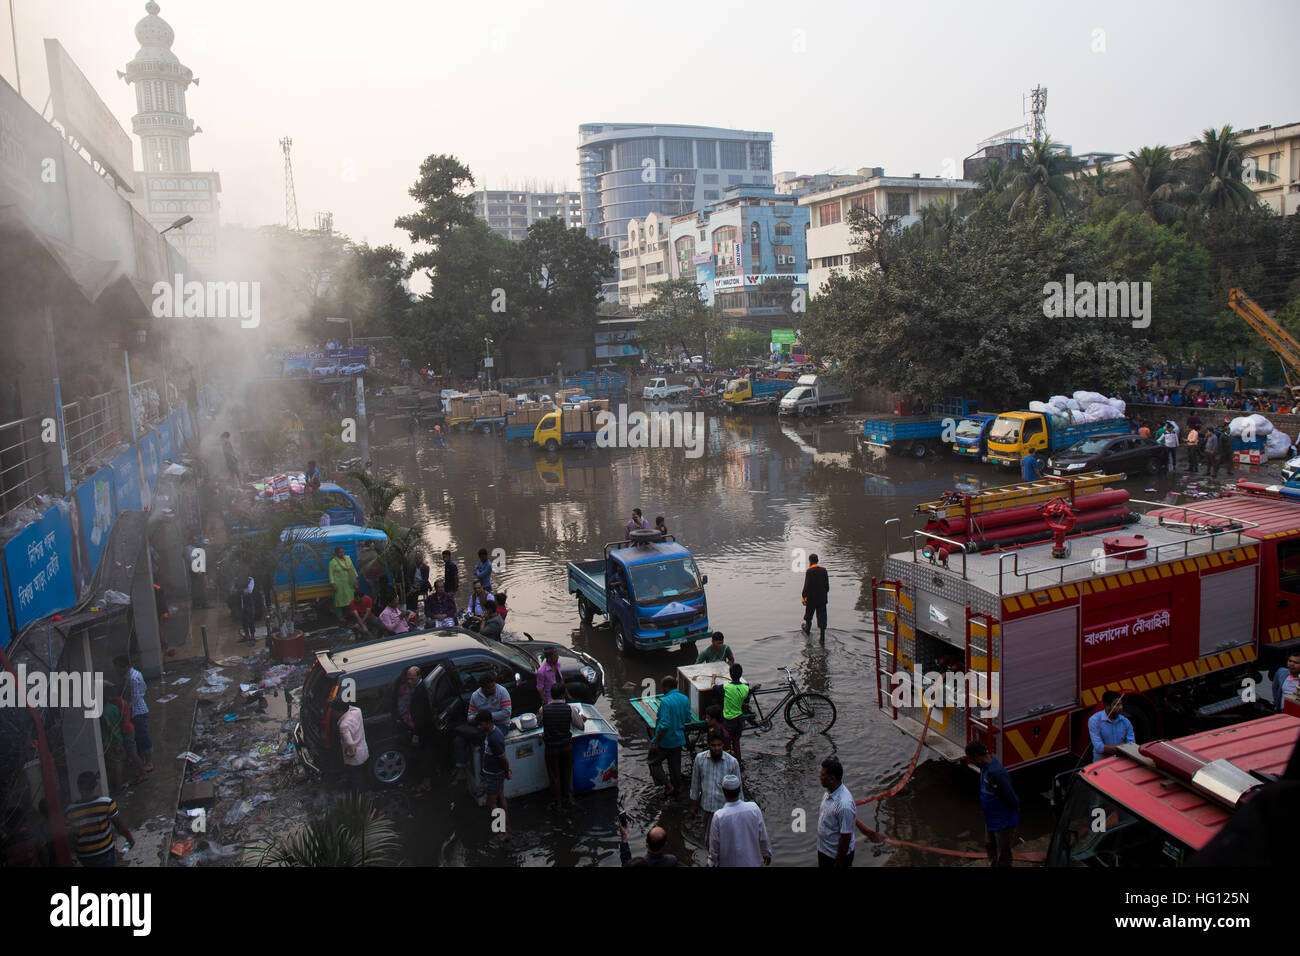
[(816, 590)]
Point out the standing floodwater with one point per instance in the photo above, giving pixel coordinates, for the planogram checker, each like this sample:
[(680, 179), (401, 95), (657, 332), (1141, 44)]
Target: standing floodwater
[(765, 494)]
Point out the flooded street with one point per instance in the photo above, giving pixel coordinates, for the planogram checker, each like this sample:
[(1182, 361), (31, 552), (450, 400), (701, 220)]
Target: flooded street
[(763, 489)]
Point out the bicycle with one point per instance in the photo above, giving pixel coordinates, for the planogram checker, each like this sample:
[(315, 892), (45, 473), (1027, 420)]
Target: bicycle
[(806, 711)]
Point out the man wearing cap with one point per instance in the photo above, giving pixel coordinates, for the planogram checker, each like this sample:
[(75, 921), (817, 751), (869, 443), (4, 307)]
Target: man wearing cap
[(738, 836), (91, 822)]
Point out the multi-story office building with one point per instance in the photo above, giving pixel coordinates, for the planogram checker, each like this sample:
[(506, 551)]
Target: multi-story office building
[(509, 212), (830, 245), (168, 188), (629, 170), (748, 254)]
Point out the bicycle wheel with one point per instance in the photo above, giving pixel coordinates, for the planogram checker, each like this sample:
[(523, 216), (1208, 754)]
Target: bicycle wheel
[(810, 713)]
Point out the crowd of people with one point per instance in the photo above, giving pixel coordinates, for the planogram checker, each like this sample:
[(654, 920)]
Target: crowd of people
[(1242, 402), (422, 599)]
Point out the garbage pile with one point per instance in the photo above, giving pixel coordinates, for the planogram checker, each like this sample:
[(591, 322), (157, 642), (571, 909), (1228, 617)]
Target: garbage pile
[(1079, 408)]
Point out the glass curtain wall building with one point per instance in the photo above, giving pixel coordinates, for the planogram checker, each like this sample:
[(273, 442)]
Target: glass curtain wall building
[(629, 170)]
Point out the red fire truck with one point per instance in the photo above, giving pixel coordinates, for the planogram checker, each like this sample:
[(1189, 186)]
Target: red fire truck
[(1159, 803), (1015, 608)]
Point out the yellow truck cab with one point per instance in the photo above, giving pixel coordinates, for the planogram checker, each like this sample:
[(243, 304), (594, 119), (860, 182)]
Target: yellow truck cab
[(1016, 434), (738, 390)]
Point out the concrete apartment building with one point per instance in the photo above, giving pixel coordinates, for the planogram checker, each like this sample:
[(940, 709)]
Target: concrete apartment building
[(830, 246), (747, 252), (644, 260), (509, 212)]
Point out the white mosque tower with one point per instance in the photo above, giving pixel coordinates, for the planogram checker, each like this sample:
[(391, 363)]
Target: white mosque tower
[(168, 188)]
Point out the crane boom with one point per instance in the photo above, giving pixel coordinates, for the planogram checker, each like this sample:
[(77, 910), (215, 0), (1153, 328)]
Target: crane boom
[(1277, 338)]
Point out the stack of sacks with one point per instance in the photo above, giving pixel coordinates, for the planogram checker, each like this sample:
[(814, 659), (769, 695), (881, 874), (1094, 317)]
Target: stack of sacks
[(1082, 407)]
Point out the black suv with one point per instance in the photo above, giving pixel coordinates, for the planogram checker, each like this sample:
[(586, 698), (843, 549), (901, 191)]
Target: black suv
[(452, 661)]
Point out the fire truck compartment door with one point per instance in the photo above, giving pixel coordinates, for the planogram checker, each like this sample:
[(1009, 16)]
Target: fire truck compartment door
[(1227, 609), (941, 617), (1040, 664)]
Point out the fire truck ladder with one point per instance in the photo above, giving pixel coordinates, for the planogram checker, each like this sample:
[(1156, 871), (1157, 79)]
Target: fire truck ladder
[(978, 728), (1277, 338), (886, 659), (967, 504)]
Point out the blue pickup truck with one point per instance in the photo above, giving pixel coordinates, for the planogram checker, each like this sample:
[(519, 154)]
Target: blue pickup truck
[(916, 435), (651, 591)]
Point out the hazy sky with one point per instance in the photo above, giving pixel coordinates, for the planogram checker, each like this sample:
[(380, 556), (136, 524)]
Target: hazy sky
[(367, 90)]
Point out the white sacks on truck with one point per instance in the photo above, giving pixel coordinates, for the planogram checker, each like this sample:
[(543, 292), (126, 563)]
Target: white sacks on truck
[(1256, 425)]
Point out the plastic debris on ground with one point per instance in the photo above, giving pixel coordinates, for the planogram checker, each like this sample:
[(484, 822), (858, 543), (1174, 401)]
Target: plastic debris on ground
[(165, 699), (189, 755)]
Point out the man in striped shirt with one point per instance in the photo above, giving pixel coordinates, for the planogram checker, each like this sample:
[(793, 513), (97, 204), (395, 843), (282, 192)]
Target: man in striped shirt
[(706, 779), (91, 823), (133, 693)]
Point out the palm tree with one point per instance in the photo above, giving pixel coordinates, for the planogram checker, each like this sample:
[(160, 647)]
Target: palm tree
[(1216, 172), (1155, 184), (1041, 181), (350, 834), (382, 492), (991, 180), (938, 219), (399, 553)]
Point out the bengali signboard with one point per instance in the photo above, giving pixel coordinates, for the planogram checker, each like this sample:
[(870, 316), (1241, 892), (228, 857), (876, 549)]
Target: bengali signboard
[(784, 336), (39, 568), (150, 461), (127, 493), (166, 442), (92, 517), (1119, 630)]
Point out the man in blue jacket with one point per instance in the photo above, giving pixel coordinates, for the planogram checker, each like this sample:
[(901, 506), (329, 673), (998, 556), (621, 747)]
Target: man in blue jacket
[(999, 802), (1286, 680)]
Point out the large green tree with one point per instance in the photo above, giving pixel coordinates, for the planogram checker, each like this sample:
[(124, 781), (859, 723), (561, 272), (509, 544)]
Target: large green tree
[(443, 204), (678, 319)]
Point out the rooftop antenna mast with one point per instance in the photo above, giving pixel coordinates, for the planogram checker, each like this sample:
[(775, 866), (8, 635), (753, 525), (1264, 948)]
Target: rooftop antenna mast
[(1036, 100), (290, 198)]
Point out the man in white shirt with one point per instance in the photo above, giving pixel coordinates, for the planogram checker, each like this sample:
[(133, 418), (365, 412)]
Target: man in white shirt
[(838, 818), (738, 836)]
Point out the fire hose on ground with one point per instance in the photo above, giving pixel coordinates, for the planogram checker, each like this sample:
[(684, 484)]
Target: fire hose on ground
[(898, 788)]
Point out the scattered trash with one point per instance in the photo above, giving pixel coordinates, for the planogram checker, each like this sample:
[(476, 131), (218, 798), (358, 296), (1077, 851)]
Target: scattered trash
[(229, 717), (230, 661), (163, 700), (244, 807), (180, 680), (1149, 489), (189, 755), (276, 675), (116, 597)]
